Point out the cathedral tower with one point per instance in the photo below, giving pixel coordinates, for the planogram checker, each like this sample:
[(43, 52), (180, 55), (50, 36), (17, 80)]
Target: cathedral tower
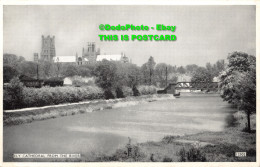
[(91, 52), (48, 48)]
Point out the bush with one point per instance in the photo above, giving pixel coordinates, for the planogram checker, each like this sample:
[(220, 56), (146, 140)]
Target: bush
[(108, 94), (147, 90), (131, 153), (135, 91), (192, 155), (119, 93), (13, 94), (167, 159), (127, 91), (33, 97)]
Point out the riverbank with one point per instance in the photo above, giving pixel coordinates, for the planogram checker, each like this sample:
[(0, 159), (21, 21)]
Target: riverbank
[(201, 147), (27, 115)]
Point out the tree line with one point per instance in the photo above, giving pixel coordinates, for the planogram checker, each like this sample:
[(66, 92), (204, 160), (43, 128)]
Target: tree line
[(150, 73)]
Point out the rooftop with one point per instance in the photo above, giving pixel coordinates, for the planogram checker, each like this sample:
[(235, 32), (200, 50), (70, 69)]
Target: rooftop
[(64, 59), (109, 57)]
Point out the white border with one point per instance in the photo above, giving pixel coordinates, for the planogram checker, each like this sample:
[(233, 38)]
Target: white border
[(126, 2), (136, 2)]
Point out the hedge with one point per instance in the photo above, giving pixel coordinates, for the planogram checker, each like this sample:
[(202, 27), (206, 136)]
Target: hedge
[(37, 97), (33, 97)]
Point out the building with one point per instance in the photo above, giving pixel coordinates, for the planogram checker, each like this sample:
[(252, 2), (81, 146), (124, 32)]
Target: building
[(116, 57), (48, 51), (30, 82), (64, 59), (70, 59), (125, 59), (90, 53)]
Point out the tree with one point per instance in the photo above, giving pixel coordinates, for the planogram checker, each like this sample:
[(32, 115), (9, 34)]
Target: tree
[(9, 72), (69, 70), (181, 70), (219, 66), (11, 64), (151, 64), (128, 74), (28, 68), (46, 69), (238, 83), (246, 86), (162, 74), (84, 71), (191, 68), (209, 68), (173, 78), (145, 73), (201, 75), (12, 59), (119, 93), (135, 91), (134, 75), (216, 69), (105, 72), (239, 61), (108, 94), (13, 94), (148, 71)]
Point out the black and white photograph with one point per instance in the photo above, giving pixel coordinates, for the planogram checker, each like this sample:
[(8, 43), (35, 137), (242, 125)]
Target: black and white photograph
[(129, 83)]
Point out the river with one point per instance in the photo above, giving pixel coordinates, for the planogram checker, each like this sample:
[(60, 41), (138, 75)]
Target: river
[(105, 131)]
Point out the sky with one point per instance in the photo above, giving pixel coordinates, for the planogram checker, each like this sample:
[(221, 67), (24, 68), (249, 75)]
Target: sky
[(204, 33)]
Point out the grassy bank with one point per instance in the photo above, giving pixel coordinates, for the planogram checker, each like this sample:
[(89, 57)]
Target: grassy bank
[(202, 147), (21, 116)]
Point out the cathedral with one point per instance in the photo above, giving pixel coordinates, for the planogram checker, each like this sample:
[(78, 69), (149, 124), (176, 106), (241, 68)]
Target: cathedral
[(90, 55)]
